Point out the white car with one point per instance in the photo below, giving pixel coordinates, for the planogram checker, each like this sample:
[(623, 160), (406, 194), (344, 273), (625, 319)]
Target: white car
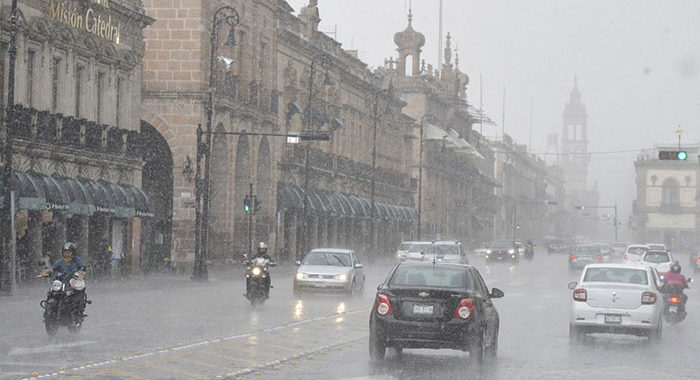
[(657, 247), (661, 260), (413, 250), (634, 252), (329, 270), (618, 299)]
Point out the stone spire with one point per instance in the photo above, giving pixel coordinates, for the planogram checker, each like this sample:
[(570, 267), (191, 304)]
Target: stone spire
[(448, 51), (409, 44)]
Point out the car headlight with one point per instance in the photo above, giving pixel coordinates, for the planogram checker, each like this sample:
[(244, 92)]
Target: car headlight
[(488, 251), (301, 275), (511, 251), (341, 277), (256, 271)]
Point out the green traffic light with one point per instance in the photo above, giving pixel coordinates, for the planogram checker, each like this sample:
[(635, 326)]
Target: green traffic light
[(583, 207), (682, 155)]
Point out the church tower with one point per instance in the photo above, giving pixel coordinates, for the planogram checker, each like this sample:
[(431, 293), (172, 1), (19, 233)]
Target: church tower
[(574, 144), (409, 44)]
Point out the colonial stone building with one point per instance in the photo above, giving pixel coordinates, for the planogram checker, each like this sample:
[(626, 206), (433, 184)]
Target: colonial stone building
[(666, 209), (78, 161), (262, 87)]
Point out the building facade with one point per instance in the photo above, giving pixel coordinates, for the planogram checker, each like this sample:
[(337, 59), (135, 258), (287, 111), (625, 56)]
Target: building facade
[(666, 208), (77, 157)]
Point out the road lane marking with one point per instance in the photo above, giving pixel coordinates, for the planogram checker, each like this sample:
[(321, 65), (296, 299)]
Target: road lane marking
[(190, 375), (47, 348)]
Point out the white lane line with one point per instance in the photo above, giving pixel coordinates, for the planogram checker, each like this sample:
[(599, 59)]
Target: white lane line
[(47, 348)]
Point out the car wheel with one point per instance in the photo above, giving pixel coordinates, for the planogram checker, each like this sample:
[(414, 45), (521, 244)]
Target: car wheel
[(492, 349), (656, 334), (362, 287), (377, 347), (476, 348), (351, 291), (576, 334)]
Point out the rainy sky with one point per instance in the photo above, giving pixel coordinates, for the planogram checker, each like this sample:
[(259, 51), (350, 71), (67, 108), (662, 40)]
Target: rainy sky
[(637, 63)]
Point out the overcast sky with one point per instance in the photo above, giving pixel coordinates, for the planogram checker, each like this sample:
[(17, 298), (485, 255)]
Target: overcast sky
[(637, 64)]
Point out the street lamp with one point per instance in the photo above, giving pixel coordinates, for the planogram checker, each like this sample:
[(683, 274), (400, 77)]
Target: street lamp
[(6, 260), (229, 16), (429, 118), (389, 93), (324, 60)]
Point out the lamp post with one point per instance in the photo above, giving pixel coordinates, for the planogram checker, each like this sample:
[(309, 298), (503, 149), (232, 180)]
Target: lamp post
[(6, 267), (324, 60), (229, 16), (429, 117), (389, 94)]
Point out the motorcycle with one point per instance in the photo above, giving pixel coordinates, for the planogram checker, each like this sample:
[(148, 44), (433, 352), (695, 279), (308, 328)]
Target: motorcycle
[(65, 302), (529, 253), (258, 280), (674, 305)]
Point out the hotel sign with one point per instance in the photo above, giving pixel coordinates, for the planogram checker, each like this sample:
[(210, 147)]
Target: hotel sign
[(92, 16)]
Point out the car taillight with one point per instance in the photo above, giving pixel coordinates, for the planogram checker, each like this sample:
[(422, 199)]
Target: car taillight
[(673, 300), (465, 308), (383, 304), (648, 298), (597, 257), (626, 256), (573, 256), (698, 259), (580, 295)]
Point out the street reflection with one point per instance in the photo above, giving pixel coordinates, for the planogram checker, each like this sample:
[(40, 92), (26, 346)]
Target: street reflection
[(298, 311), (341, 308), (254, 319)]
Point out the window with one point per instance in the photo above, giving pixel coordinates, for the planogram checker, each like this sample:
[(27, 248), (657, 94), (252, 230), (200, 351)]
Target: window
[(431, 276), (2, 80), (118, 103), (100, 96), (618, 275), (55, 83), (31, 55), (78, 89), (671, 192)]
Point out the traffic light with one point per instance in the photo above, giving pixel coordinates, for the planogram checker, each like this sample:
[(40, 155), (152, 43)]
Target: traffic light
[(676, 155), (580, 207), (517, 226), (246, 204), (607, 215)]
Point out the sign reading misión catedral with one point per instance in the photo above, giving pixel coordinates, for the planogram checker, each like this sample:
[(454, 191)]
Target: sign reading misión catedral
[(90, 15)]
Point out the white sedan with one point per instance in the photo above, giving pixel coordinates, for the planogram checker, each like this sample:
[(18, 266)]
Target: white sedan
[(618, 299), (661, 260)]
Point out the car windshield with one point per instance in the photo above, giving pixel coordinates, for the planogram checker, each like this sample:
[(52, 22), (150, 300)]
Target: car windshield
[(657, 257), (445, 249), (586, 249), (418, 247), (502, 244), (636, 250), (335, 259), (656, 247), (433, 276), (617, 275)]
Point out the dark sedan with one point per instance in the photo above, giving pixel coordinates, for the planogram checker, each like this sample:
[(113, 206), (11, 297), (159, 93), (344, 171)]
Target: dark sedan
[(426, 305), (502, 251)]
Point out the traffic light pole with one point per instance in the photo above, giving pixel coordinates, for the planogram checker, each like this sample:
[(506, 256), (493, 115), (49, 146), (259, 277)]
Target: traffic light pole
[(614, 207), (250, 225)]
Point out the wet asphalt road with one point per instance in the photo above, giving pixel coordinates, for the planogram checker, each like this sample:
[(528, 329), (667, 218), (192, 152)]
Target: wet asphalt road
[(172, 328)]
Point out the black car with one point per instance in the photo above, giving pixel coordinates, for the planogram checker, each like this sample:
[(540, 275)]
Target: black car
[(433, 305), (502, 251)]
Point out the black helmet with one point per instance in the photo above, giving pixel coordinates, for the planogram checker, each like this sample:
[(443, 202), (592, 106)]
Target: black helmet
[(71, 247), (262, 247), (676, 267)]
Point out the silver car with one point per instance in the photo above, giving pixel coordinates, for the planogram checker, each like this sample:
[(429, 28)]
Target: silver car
[(330, 270), (616, 298)]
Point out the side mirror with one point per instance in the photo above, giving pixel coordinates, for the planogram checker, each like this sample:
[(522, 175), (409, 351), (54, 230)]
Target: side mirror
[(690, 279), (380, 286), (496, 293), (297, 263), (244, 255), (358, 265), (572, 285)]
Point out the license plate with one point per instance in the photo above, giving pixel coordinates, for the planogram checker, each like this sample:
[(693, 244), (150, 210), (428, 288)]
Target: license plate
[(613, 319), (499, 258), (321, 284), (673, 309), (423, 309)]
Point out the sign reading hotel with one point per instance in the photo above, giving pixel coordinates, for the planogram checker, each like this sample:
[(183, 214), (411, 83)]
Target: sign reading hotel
[(93, 16)]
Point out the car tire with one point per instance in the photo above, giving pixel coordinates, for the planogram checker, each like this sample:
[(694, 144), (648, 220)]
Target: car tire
[(477, 349), (492, 349), (351, 292), (656, 334), (362, 288), (576, 334), (377, 347)]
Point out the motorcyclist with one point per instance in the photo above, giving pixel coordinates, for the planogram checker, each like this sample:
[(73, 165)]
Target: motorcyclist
[(675, 282), (69, 264), (530, 248), (262, 252)]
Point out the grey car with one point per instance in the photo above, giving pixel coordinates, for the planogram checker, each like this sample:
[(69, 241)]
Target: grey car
[(329, 270)]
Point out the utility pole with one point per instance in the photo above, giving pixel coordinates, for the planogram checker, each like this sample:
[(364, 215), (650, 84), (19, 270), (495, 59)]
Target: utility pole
[(250, 222)]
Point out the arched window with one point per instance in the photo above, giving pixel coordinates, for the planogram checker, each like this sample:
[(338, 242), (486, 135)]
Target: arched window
[(671, 192)]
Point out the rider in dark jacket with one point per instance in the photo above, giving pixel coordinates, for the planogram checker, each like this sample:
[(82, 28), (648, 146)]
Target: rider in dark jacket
[(69, 264), (262, 252)]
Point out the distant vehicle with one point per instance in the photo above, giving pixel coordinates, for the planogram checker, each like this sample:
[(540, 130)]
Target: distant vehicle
[(605, 252), (660, 260), (448, 251), (618, 299), (584, 254), (502, 250), (426, 305), (481, 249), (329, 270), (520, 247), (403, 249), (558, 246), (413, 250), (657, 247), (618, 248), (634, 253), (695, 261)]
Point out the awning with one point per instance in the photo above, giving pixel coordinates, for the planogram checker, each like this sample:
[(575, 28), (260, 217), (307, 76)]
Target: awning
[(81, 198), (340, 205)]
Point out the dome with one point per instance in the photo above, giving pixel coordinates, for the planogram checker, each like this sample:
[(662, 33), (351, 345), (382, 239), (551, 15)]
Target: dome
[(409, 38)]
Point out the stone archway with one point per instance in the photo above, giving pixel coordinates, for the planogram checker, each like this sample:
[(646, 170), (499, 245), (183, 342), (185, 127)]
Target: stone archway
[(264, 218), (219, 237), (241, 186), (157, 183)]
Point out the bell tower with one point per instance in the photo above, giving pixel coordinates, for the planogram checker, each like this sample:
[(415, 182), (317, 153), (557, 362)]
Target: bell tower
[(574, 143), (409, 44)]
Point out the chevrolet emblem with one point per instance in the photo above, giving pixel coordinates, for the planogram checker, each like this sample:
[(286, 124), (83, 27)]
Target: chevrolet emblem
[(424, 294)]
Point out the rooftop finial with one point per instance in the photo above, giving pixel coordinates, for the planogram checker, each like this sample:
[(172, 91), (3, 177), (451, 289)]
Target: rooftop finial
[(410, 13)]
